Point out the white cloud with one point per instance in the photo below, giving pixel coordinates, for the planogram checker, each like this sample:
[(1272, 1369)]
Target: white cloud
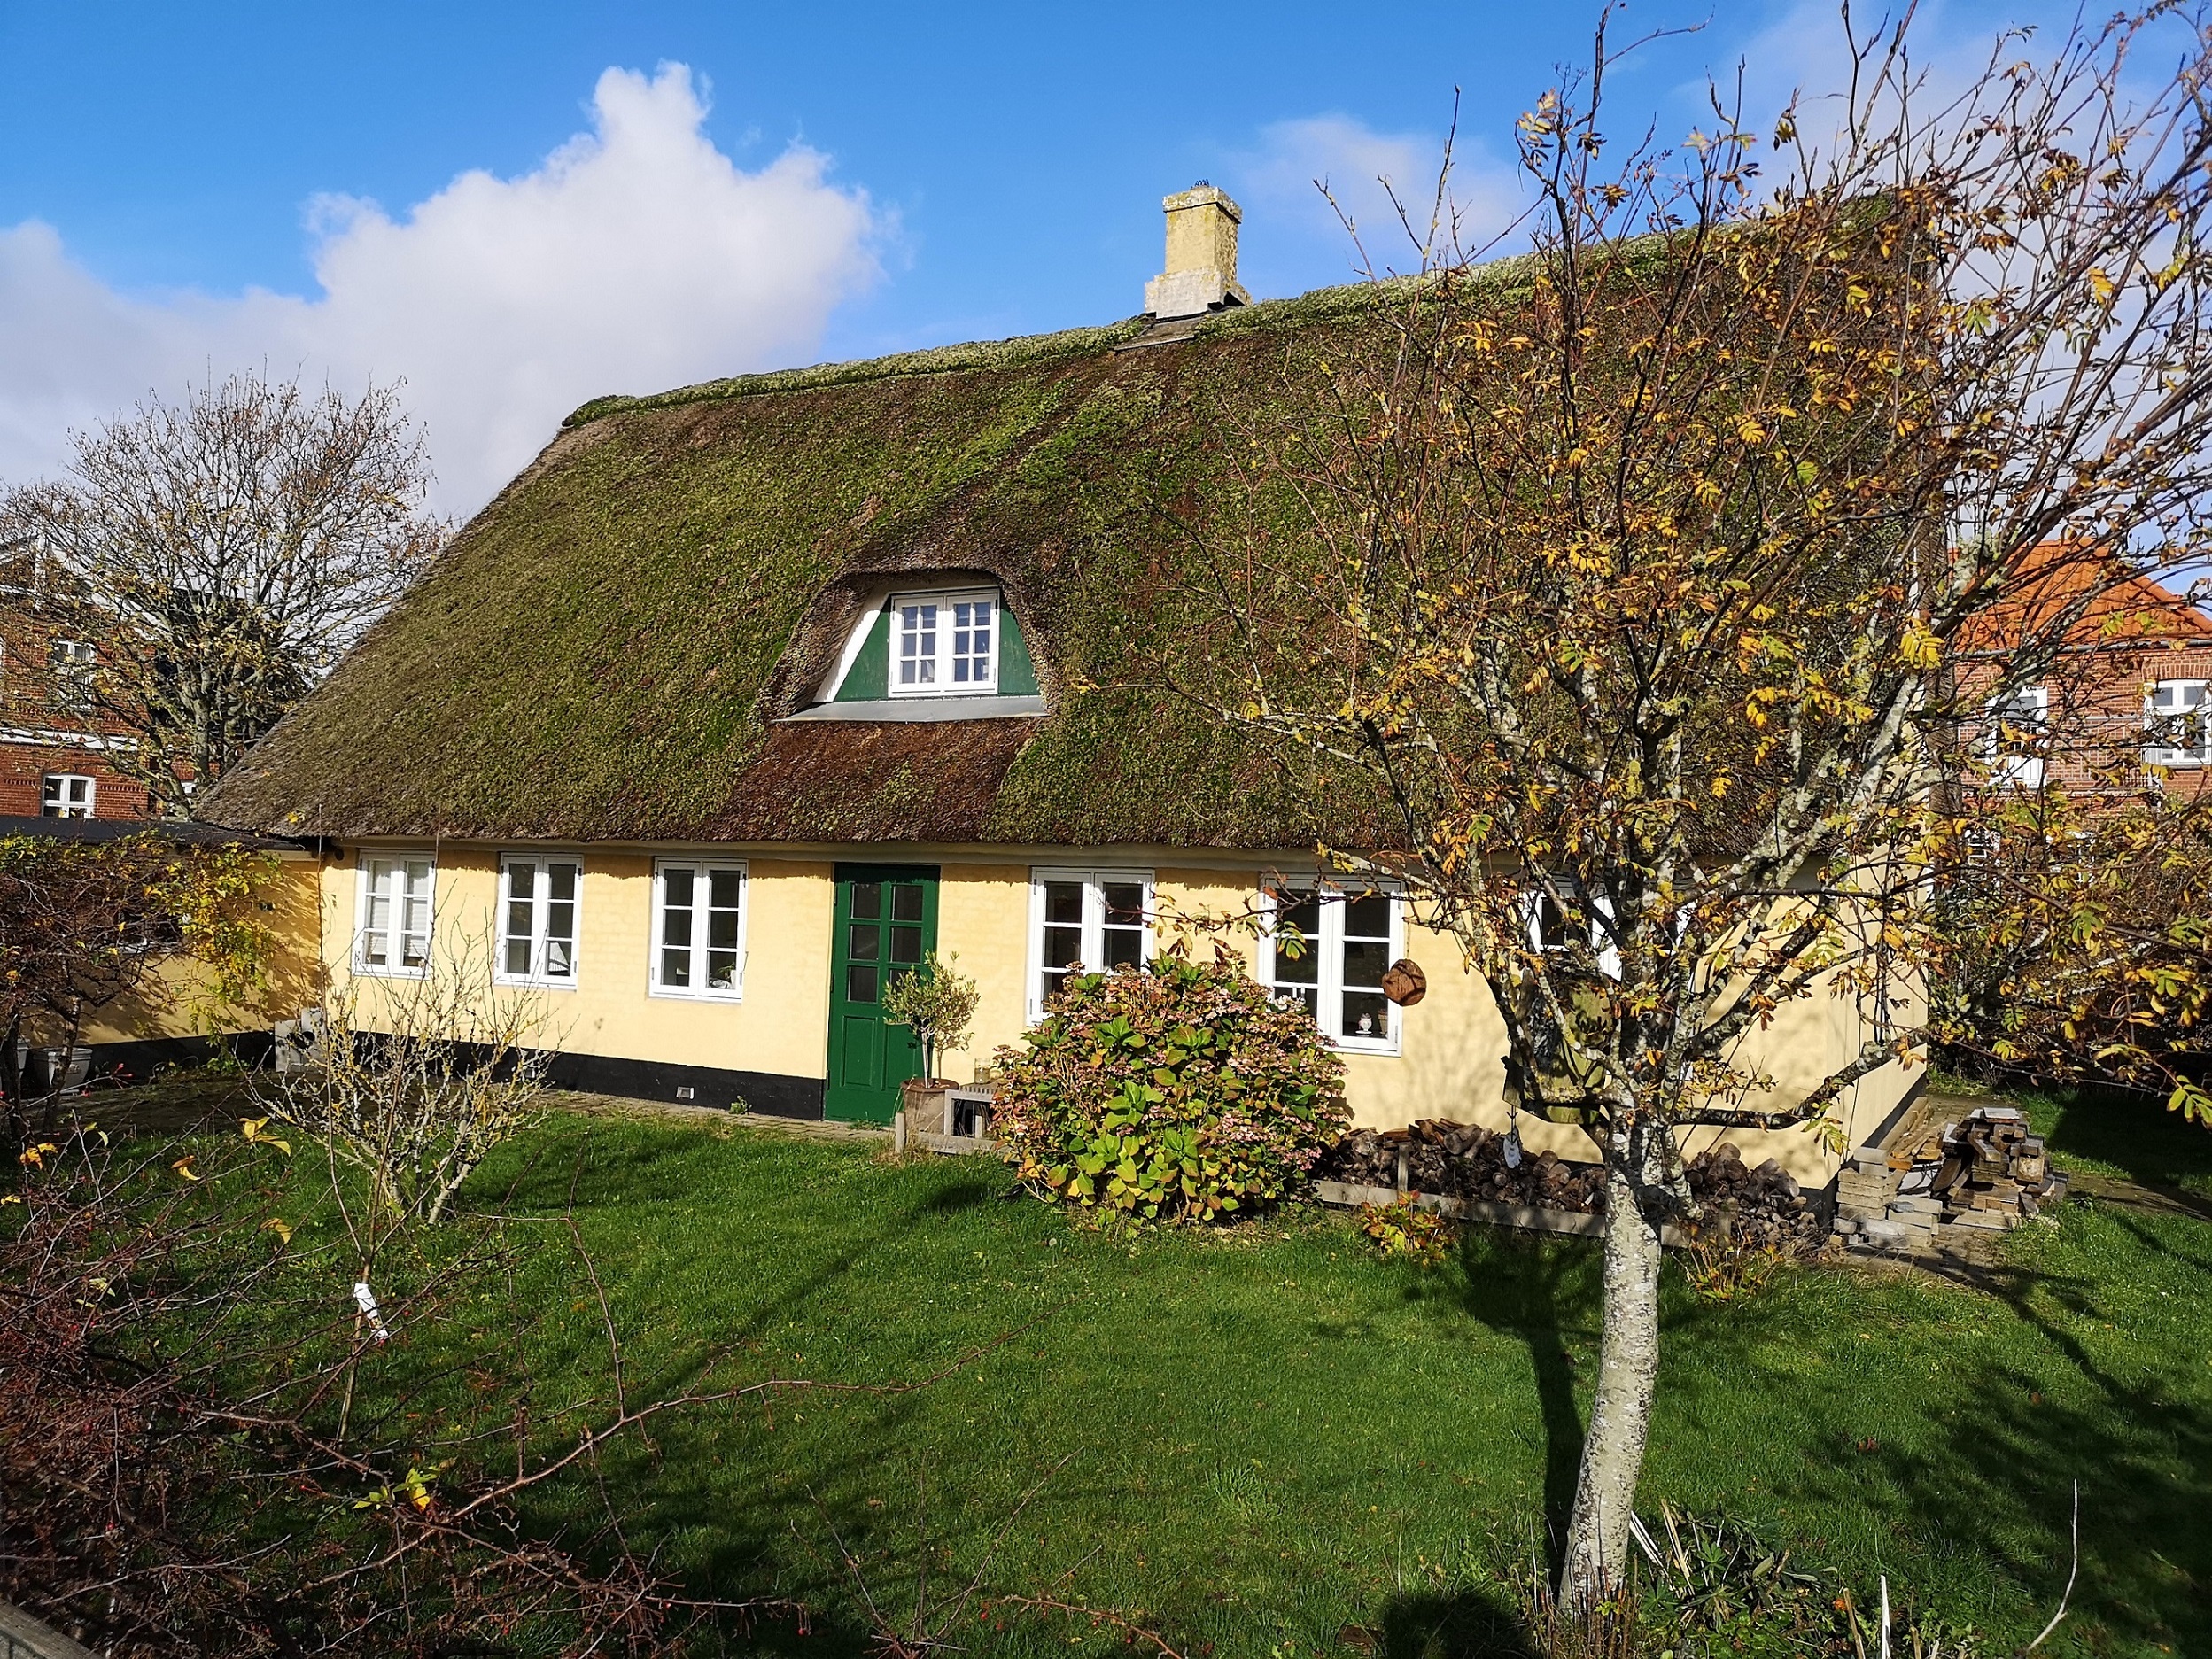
[(1291, 228), (636, 258)]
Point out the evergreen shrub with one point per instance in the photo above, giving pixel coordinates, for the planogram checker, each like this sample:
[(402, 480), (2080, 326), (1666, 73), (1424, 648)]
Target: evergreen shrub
[(1175, 1091)]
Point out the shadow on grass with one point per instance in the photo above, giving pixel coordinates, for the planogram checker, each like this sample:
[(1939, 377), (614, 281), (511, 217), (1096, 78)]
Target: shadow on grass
[(1454, 1624), (2126, 1129), (1544, 1293)]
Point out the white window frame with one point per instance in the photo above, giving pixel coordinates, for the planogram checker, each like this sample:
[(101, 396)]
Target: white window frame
[(940, 683), (1330, 980), (87, 808), (2155, 754), (539, 974), (1092, 953), (2015, 772), (698, 990), (400, 898), (70, 666), (1606, 948)]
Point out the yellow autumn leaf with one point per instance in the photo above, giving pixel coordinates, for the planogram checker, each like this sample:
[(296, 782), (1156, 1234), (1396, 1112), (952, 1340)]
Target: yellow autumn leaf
[(1920, 646), (279, 1226), (255, 1130), (184, 1166)]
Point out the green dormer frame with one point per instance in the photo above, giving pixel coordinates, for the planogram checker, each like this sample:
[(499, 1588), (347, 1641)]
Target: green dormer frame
[(869, 678)]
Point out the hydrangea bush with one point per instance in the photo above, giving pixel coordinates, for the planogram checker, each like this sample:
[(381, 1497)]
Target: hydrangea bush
[(1174, 1091)]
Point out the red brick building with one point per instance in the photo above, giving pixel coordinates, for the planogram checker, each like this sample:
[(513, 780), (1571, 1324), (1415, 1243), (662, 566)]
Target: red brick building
[(2127, 701), (55, 750)]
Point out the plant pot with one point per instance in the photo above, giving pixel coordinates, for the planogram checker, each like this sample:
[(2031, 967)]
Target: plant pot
[(928, 1104)]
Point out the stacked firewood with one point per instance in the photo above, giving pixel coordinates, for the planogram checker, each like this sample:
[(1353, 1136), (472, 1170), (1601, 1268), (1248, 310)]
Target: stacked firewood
[(1461, 1160), (1754, 1204), (1466, 1161), (1986, 1173)]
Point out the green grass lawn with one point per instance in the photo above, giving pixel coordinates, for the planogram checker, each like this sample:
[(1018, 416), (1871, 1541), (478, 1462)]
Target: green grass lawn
[(1256, 1438)]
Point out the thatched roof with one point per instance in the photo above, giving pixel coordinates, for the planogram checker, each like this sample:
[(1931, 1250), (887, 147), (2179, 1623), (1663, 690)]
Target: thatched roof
[(609, 649)]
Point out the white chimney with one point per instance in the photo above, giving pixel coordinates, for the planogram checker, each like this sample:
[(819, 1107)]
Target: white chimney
[(1201, 274)]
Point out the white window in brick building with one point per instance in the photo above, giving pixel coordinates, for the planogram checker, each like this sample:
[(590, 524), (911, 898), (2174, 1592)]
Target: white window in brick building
[(2179, 717), (66, 794)]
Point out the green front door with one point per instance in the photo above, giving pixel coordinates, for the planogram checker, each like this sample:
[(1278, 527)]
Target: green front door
[(887, 918)]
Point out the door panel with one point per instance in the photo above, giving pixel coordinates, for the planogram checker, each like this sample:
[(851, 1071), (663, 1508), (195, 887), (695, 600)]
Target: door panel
[(885, 920)]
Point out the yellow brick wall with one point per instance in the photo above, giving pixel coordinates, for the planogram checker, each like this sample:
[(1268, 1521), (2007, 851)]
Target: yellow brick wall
[(1453, 1043), (176, 1000)]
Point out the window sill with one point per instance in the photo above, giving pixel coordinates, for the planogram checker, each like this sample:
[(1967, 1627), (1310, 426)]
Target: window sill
[(369, 970), (678, 994), (525, 982), (968, 706), (1353, 1045)]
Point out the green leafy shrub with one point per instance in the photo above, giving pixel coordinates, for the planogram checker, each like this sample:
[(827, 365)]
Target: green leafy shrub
[(1175, 1092), (1403, 1229)]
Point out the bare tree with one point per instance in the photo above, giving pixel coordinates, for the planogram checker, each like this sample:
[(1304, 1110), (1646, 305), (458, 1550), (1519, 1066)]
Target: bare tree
[(223, 555), (1652, 579)]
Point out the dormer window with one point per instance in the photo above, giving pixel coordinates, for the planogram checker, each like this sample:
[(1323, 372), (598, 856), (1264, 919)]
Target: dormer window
[(944, 644), (953, 652)]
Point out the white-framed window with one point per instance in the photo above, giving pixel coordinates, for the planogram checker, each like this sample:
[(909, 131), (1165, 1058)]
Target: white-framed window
[(539, 903), (1096, 919), (699, 929), (1548, 926), (397, 890), (71, 663), (2178, 713), (2020, 719), (1329, 947), (66, 794), (943, 644)]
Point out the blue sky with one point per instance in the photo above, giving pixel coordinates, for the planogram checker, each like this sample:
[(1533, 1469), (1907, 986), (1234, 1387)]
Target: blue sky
[(188, 188)]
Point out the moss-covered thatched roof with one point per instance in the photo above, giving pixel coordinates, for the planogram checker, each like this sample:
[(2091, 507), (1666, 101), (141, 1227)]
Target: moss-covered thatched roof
[(607, 649)]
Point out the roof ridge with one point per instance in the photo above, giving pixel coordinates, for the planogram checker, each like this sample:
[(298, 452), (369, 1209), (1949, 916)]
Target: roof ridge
[(1020, 349)]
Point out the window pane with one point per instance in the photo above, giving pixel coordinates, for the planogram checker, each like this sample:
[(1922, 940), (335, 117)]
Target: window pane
[(1063, 947), (1366, 1014), (1121, 937), (676, 891), (1063, 904), (1367, 918), (971, 642), (906, 903), (906, 944), (723, 887), (864, 941), (520, 917), (860, 981), (1296, 955), (721, 930), (561, 885), (679, 891), (867, 900), (1365, 961), (721, 970)]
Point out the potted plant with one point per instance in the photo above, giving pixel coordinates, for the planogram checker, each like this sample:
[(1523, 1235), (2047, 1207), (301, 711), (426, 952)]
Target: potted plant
[(938, 1005)]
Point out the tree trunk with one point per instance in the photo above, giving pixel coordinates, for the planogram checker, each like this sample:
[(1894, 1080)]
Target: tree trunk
[(1628, 1368)]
